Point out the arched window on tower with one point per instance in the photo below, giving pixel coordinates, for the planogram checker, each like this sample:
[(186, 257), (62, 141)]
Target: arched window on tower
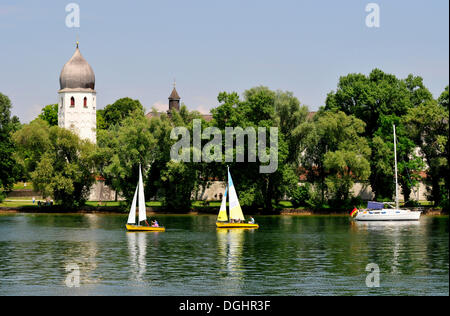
[(85, 102), (72, 102)]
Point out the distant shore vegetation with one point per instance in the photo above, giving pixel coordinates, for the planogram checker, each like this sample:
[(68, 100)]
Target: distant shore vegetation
[(348, 140)]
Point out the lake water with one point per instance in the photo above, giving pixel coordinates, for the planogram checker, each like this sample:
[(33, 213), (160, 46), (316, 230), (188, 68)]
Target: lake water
[(288, 255)]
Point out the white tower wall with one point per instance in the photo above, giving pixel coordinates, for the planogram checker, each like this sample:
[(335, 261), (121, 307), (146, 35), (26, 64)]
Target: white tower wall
[(79, 118)]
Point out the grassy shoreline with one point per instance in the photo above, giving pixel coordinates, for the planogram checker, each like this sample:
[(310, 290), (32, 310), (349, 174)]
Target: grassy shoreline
[(155, 208)]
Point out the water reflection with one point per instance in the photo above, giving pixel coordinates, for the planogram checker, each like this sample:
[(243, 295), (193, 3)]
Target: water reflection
[(230, 244), (137, 250), (392, 227), (403, 244), (288, 256)]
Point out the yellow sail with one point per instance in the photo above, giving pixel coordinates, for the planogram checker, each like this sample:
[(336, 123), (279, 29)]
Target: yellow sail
[(223, 217)]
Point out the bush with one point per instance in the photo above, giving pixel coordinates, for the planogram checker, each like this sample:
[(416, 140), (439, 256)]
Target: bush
[(357, 202), (445, 203), (300, 196), (384, 200), (413, 203)]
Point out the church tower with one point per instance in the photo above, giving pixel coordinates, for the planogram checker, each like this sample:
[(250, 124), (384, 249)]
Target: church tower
[(77, 104), (174, 100)]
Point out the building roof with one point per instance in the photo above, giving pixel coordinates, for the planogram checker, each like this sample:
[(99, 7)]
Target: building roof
[(77, 74), (174, 95)]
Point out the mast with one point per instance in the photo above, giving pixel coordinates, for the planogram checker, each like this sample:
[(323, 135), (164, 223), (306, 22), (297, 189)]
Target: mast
[(142, 206), (396, 171)]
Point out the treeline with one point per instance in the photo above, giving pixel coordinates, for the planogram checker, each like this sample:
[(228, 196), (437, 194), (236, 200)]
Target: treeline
[(348, 140)]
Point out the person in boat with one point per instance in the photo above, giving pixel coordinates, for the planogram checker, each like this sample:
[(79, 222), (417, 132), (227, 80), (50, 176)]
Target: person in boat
[(252, 220), (155, 223)]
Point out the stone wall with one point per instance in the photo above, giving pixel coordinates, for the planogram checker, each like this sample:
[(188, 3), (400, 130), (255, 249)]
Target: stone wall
[(214, 192), (102, 192), (363, 190)]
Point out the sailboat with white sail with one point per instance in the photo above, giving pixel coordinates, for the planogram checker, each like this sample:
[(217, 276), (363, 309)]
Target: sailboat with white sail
[(376, 212), (236, 218), (139, 198)]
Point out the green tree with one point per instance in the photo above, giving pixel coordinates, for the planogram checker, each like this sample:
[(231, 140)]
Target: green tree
[(336, 155), (443, 99), (50, 114), (121, 149), (115, 113), (175, 182), (101, 124), (59, 163), (380, 100), (32, 141), (262, 107), (428, 126), (8, 169)]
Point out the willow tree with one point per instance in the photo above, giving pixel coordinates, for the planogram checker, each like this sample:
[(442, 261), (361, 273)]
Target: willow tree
[(261, 107), (336, 156), (120, 150), (175, 182)]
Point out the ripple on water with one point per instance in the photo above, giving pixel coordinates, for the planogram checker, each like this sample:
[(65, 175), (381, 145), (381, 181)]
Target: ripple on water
[(287, 256)]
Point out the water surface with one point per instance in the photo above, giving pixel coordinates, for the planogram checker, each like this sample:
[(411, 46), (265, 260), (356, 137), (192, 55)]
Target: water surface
[(288, 255)]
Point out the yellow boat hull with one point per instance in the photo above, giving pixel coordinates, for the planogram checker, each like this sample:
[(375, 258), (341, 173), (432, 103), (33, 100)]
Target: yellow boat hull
[(237, 225), (133, 228)]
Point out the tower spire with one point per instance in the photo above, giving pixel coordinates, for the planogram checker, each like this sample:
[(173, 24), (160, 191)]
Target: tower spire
[(174, 99)]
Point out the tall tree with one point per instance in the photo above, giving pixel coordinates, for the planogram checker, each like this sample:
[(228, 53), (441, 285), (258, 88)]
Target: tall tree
[(32, 141), (58, 162), (380, 100), (262, 107), (115, 113), (336, 155), (121, 149), (428, 126), (174, 182), (8, 168)]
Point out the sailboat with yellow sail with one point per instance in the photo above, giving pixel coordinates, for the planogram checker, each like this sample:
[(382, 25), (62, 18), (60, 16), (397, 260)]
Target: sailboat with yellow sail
[(236, 217), (131, 223)]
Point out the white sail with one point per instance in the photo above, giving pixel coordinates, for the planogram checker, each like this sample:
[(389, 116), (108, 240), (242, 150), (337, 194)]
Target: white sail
[(142, 207), (132, 216), (235, 207)]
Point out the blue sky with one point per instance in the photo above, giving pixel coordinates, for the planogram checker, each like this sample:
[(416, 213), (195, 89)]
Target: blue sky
[(137, 48)]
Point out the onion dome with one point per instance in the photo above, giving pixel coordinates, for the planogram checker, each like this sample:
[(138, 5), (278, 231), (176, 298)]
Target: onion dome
[(77, 73)]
